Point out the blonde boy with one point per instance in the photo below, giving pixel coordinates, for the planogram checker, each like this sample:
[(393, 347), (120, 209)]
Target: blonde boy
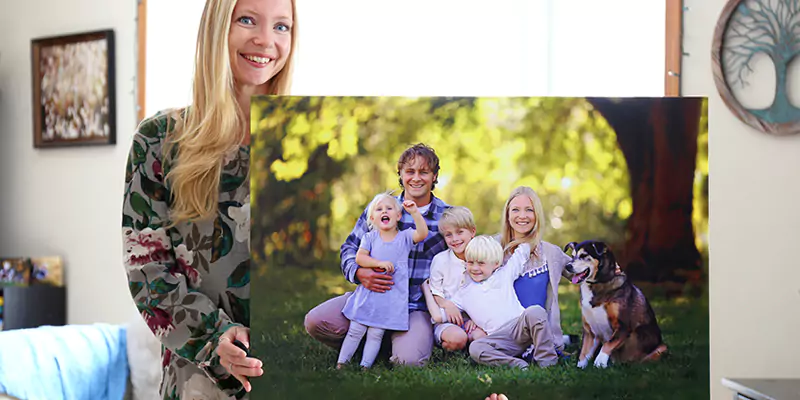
[(448, 268), (489, 298)]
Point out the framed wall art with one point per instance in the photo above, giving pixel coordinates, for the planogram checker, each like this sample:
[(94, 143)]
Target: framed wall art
[(74, 90), (47, 271), (15, 271), (755, 42)]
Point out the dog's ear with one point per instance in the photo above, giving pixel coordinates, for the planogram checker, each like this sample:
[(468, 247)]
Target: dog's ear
[(599, 248), (570, 247)]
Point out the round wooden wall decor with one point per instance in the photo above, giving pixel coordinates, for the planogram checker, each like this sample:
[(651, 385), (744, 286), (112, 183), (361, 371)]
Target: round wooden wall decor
[(752, 37)]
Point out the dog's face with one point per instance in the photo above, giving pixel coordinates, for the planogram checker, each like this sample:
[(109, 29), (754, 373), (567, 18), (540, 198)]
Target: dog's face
[(591, 261)]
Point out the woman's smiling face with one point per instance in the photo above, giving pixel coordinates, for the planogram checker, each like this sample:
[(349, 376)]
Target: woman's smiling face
[(521, 216)]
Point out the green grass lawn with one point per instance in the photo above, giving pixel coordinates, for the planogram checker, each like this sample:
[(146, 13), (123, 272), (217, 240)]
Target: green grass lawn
[(298, 367)]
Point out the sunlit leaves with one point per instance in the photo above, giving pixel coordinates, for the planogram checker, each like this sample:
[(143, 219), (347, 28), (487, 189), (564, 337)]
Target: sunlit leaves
[(298, 127), (625, 208), (560, 147), (289, 170), (700, 208), (347, 144)]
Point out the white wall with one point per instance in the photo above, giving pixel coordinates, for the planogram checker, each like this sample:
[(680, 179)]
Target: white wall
[(752, 223), (442, 47), (597, 49), (66, 202), (169, 64)]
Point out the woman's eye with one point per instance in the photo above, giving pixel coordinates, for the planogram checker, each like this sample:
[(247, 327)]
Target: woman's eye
[(246, 20), (283, 28)]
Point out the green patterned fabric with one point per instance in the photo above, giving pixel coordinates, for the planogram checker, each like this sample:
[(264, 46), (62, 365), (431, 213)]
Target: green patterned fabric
[(190, 282)]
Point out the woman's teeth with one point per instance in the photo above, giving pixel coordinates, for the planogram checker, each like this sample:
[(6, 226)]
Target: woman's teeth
[(260, 60)]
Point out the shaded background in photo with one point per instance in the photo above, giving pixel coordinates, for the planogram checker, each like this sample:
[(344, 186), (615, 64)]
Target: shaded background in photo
[(631, 172)]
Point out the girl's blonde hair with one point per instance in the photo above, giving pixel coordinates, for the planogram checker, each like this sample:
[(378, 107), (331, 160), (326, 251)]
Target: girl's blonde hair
[(214, 125), (380, 197), (534, 237), (484, 248)]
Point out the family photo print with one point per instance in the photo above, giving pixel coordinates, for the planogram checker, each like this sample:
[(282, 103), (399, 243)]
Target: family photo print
[(453, 247)]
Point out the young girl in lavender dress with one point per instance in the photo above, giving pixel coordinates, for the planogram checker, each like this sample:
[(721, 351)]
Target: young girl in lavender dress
[(383, 247)]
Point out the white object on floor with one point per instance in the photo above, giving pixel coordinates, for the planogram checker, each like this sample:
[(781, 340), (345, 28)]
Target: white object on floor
[(144, 360)]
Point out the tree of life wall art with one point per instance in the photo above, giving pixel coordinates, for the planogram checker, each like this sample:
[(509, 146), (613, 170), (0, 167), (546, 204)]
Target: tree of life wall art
[(755, 45)]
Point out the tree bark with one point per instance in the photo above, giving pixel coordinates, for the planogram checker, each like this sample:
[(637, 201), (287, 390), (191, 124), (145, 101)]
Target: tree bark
[(658, 138)]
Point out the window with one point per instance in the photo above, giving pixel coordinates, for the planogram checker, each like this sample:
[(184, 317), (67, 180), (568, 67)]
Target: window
[(444, 47)]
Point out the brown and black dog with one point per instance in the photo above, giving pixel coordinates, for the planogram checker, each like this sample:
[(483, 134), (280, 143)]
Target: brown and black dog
[(615, 313)]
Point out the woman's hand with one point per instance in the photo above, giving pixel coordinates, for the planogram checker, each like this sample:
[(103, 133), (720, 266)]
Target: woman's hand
[(496, 396), (234, 359)]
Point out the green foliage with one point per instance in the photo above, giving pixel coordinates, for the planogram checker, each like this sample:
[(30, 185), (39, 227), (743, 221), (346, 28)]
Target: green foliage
[(700, 206), (317, 161)]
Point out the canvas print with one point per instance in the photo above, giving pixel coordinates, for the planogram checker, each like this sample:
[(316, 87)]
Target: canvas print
[(450, 248), (15, 272), (47, 271), (73, 90)]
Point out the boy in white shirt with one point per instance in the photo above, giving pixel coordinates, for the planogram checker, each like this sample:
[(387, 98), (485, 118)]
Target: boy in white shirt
[(448, 270), (491, 302)]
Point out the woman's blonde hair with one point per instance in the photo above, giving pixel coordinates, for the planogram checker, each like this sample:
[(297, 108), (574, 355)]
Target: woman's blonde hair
[(214, 125), (534, 237)]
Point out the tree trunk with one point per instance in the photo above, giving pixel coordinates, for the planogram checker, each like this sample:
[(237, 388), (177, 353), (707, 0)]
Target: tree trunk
[(298, 212), (658, 138)]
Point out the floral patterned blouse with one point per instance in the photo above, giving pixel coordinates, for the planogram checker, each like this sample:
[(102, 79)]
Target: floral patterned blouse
[(191, 282)]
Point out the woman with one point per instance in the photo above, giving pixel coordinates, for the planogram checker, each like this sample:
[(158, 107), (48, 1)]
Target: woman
[(186, 208), (523, 222)]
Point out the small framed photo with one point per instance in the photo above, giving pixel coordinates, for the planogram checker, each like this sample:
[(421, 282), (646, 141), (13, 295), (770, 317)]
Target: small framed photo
[(47, 271), (15, 272), (74, 90)]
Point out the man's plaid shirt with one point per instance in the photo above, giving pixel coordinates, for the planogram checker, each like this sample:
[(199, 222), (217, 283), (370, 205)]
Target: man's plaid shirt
[(420, 258)]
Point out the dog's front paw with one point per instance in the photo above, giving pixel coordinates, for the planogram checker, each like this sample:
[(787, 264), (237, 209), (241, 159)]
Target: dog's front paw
[(601, 361), (583, 363)]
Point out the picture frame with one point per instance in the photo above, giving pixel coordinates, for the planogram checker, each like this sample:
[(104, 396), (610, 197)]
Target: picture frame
[(74, 89), (47, 270), (15, 271)]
